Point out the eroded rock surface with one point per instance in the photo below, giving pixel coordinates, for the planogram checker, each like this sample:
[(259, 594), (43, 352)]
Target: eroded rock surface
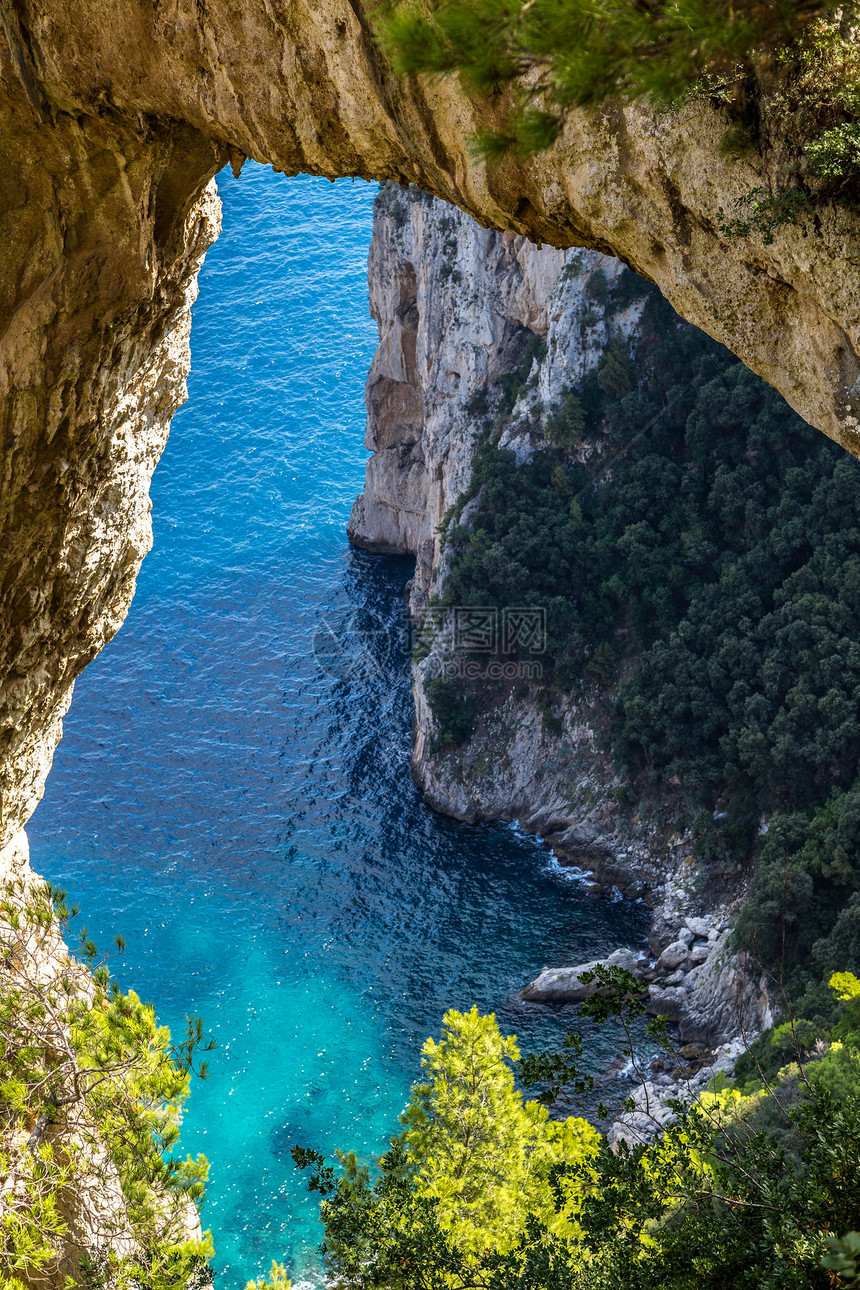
[(456, 306), (565, 985), (114, 116)]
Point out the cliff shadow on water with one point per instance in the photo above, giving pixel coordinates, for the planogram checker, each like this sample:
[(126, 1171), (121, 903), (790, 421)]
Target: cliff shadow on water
[(232, 792)]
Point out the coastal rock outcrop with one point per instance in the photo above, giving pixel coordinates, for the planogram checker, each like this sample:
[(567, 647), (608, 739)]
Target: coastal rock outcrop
[(565, 985)]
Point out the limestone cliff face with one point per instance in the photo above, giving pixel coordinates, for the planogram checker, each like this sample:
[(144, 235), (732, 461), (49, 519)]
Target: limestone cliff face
[(81, 450), (115, 115), (456, 306)]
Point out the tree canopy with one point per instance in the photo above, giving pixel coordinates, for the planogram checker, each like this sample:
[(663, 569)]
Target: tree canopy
[(481, 1192), (558, 54)]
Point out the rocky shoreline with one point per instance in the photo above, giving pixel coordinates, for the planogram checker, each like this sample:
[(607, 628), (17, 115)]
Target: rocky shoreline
[(457, 307)]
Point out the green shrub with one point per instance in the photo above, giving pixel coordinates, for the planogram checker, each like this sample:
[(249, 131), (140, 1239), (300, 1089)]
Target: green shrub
[(565, 425), (453, 712), (764, 213), (840, 948), (597, 287), (603, 665), (836, 153), (616, 374)]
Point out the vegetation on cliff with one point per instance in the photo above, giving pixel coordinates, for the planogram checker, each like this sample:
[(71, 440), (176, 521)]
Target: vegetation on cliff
[(481, 1190), (696, 549), (91, 1091), (786, 68)]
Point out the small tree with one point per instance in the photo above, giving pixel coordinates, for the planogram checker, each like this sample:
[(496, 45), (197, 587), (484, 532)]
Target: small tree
[(477, 1148), (565, 426)]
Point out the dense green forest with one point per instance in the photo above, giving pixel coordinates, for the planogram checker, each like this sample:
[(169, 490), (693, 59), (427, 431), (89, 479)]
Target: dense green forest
[(696, 547)]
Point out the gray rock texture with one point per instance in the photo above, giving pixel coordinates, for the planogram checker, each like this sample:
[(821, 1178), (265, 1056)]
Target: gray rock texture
[(563, 985), (456, 305), (114, 117), (651, 1112)]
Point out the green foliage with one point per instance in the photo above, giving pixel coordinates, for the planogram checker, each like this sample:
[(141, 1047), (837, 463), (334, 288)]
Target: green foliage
[(92, 1091), (597, 287), (453, 712), (616, 375), (391, 201), (844, 1257), (555, 54), (522, 546), (276, 1280), (818, 86), (822, 1052), (842, 943), (474, 1169), (477, 1149), (711, 542), (837, 1072), (836, 153), (765, 212), (846, 985), (805, 893), (603, 665), (715, 1202), (565, 425), (737, 141), (776, 1050)]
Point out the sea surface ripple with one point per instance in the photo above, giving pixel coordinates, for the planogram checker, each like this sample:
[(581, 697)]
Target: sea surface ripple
[(232, 792)]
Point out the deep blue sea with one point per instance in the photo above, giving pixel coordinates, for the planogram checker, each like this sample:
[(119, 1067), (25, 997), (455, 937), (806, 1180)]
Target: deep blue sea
[(232, 793)]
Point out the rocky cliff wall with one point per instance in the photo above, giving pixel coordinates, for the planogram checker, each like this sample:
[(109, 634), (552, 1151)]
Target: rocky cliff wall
[(115, 115), (456, 307)]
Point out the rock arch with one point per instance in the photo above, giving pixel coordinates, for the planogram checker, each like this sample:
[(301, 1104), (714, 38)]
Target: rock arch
[(114, 117)]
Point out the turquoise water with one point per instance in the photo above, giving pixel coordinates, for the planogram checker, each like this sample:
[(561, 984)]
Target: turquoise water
[(232, 794)]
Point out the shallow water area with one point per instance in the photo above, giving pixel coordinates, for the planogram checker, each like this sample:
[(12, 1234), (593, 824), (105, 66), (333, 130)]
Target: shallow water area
[(232, 792)]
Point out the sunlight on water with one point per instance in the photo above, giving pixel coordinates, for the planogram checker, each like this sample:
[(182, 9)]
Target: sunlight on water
[(244, 816)]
